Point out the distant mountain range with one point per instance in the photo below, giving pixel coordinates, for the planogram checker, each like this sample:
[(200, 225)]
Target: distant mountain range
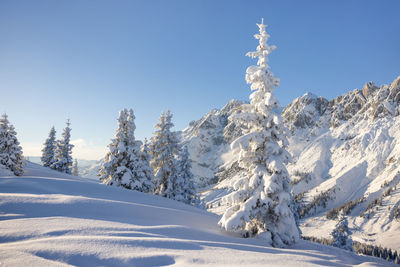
[(84, 166)]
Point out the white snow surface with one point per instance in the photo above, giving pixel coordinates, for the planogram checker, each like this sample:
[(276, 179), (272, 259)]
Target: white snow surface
[(53, 219)]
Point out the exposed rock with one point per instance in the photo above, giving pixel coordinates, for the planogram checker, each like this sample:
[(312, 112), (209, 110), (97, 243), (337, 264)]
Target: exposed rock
[(304, 111)]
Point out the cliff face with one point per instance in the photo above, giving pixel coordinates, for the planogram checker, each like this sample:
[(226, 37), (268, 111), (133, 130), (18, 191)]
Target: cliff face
[(208, 139)]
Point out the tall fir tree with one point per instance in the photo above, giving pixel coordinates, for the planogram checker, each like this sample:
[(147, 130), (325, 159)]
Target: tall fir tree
[(163, 149), (341, 234), (62, 154), (10, 151), (145, 171), (49, 149), (184, 186), (122, 165), (259, 204), (75, 170)]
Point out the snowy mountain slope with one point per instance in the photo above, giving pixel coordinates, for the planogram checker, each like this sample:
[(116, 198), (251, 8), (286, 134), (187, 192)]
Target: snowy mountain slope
[(48, 218), (86, 168), (208, 139), (91, 171), (350, 158), (345, 156)]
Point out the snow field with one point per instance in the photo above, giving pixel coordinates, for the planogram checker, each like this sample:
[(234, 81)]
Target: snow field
[(53, 219)]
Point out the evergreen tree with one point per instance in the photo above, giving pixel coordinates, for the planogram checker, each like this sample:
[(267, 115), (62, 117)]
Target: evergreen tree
[(184, 187), (341, 234), (10, 151), (260, 200), (75, 170), (49, 148), (145, 171), (122, 165), (163, 148), (62, 154)]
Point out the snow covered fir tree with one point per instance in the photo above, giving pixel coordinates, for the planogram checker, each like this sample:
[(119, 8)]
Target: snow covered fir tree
[(49, 149), (163, 149), (145, 171), (63, 150), (125, 165), (341, 234), (10, 151), (259, 204), (185, 190)]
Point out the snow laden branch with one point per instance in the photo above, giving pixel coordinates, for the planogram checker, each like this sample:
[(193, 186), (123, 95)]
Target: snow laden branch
[(260, 203)]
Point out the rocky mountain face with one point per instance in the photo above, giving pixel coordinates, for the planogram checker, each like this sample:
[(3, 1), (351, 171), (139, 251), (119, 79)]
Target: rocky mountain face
[(208, 139), (345, 157)]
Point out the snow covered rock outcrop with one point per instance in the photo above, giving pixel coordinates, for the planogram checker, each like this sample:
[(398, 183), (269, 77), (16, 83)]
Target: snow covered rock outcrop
[(208, 139), (347, 159), (304, 111)]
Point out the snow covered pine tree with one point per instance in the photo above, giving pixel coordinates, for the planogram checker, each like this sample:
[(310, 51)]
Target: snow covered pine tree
[(163, 148), (49, 148), (341, 233), (122, 165), (146, 172), (259, 202), (10, 150), (184, 187), (62, 154)]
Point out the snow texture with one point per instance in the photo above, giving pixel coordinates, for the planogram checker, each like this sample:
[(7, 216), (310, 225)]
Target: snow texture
[(50, 218)]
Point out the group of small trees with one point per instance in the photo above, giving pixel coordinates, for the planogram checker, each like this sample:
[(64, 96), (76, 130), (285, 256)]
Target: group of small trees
[(10, 151), (171, 163), (161, 167), (56, 154), (126, 163)]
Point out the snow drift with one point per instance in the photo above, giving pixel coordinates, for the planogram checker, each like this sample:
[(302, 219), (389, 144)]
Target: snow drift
[(49, 218)]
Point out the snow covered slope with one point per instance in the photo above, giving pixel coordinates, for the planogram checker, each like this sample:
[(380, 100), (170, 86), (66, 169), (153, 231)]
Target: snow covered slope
[(51, 219), (208, 139), (345, 156)]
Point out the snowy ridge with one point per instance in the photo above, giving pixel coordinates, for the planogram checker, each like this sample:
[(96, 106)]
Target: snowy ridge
[(53, 219), (345, 153), (350, 157), (208, 139)]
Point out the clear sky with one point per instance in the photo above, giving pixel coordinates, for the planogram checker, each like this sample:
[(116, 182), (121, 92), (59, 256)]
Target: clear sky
[(86, 60)]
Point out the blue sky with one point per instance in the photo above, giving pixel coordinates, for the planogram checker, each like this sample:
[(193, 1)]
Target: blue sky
[(86, 60)]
